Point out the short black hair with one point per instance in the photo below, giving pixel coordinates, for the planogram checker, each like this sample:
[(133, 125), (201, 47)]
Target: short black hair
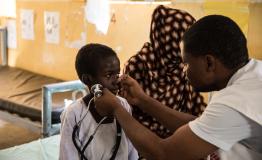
[(89, 57), (217, 35)]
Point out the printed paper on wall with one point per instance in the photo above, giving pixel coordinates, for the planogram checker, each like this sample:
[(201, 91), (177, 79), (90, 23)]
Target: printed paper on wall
[(27, 24), (52, 27), (11, 36), (97, 12)]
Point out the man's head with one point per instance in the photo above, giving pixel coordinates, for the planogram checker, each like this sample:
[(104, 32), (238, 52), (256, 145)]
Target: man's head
[(97, 63), (214, 48)]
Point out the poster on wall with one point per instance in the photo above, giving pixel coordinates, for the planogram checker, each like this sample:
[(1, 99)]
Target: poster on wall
[(11, 36), (97, 12), (52, 26), (27, 24)]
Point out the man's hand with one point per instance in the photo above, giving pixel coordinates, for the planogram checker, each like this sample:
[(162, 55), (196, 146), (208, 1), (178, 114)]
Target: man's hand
[(107, 103), (131, 90)]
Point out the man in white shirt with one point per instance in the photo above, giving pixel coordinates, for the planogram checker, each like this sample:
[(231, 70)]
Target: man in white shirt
[(233, 119), (215, 54)]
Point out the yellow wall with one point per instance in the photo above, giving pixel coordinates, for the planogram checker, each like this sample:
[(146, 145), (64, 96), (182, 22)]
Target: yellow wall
[(126, 35), (255, 30), (41, 57)]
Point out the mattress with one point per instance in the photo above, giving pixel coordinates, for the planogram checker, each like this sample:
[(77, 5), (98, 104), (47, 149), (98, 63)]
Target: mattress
[(42, 149), (21, 93)]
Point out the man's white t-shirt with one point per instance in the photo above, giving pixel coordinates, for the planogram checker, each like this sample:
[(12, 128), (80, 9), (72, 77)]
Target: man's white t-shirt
[(232, 120), (103, 143)]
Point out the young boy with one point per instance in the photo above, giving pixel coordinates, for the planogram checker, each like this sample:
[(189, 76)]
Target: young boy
[(84, 133)]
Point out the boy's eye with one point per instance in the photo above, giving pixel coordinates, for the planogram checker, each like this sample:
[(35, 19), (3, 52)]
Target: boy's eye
[(108, 75), (112, 75)]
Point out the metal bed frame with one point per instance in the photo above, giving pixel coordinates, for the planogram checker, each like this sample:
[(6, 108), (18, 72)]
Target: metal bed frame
[(47, 129), (47, 90)]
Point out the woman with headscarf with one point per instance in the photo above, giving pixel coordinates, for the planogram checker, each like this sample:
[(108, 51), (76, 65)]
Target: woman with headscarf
[(158, 67)]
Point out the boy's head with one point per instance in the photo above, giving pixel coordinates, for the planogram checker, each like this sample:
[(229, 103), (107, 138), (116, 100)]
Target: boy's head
[(97, 63)]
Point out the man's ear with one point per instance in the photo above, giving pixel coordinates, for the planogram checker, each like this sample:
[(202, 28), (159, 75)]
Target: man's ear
[(210, 62)]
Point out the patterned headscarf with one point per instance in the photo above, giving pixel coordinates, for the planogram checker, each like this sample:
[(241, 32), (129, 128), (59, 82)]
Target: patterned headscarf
[(158, 68)]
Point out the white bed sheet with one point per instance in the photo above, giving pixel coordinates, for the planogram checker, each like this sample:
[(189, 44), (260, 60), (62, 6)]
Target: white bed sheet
[(41, 149)]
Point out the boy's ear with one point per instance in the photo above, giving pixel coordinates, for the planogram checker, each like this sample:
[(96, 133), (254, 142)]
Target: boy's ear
[(87, 79)]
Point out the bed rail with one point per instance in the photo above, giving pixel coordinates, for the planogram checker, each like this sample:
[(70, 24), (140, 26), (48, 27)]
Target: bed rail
[(47, 90)]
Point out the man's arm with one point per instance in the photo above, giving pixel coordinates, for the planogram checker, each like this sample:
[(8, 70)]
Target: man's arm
[(170, 118), (183, 144)]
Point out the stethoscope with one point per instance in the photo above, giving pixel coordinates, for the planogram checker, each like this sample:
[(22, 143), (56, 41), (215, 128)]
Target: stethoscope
[(75, 134)]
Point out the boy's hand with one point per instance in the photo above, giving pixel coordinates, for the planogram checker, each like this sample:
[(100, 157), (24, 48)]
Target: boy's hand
[(131, 90), (107, 103)]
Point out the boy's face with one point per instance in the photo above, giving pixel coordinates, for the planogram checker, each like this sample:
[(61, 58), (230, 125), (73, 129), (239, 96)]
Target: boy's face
[(108, 73)]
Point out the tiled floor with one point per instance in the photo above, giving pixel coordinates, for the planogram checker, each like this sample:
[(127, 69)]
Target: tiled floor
[(12, 135)]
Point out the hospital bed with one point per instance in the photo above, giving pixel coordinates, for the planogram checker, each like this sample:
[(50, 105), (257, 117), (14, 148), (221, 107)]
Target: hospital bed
[(42, 149), (32, 100)]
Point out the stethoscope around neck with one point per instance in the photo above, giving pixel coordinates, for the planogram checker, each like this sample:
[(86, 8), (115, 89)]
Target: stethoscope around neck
[(76, 130)]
